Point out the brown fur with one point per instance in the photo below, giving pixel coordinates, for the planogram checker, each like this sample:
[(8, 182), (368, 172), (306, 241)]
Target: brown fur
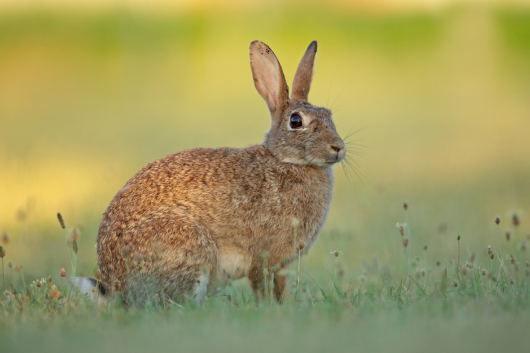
[(206, 216)]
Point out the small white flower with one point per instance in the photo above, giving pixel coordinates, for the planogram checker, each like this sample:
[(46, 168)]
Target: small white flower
[(401, 227)]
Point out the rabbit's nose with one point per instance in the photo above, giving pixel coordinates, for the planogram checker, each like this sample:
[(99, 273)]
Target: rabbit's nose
[(336, 148)]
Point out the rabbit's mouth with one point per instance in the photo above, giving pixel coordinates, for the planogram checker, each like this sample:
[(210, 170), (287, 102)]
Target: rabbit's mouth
[(338, 152), (337, 158)]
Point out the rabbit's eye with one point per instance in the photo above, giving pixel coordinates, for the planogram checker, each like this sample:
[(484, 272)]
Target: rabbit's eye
[(296, 121)]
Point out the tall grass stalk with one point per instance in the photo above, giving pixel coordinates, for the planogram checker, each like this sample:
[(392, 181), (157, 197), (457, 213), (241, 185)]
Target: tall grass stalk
[(3, 275), (405, 206), (296, 247)]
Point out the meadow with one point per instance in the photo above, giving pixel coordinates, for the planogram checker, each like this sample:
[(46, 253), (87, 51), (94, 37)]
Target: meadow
[(438, 103)]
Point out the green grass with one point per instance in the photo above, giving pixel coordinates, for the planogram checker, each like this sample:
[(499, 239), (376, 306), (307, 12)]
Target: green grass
[(479, 305)]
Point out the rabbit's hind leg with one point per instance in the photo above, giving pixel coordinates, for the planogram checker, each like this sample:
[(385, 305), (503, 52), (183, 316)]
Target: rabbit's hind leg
[(179, 256)]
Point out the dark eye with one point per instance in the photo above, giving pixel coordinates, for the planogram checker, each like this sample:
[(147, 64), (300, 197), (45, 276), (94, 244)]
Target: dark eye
[(296, 121)]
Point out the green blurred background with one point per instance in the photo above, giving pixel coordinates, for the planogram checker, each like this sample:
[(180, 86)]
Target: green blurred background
[(439, 95)]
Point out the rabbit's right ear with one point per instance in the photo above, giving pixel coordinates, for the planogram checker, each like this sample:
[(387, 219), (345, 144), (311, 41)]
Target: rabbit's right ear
[(268, 77)]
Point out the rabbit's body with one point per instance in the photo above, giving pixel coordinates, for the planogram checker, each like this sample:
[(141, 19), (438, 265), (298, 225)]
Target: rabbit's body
[(197, 218), (206, 199)]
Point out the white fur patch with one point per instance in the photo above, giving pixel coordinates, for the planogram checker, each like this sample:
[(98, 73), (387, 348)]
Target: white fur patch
[(87, 287)]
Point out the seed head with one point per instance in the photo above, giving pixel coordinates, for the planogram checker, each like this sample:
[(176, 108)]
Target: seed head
[(75, 234), (5, 237), (455, 284), (516, 267), (38, 284), (97, 275), (472, 257), (63, 273), (336, 253), (438, 263), (295, 222), (10, 264), (6, 293), (494, 279), (61, 220), (55, 293), (490, 251), (2, 252), (484, 272), (516, 219), (512, 258), (13, 289), (401, 228), (405, 242), (405, 205), (276, 268), (497, 220), (422, 270), (523, 246), (492, 256), (425, 247), (458, 237), (74, 246), (463, 270), (18, 268), (49, 282), (508, 235)]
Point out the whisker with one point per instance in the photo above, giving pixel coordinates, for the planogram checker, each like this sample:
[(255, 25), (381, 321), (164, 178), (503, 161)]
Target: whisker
[(348, 178), (361, 176), (332, 104), (355, 167), (358, 155), (353, 133)]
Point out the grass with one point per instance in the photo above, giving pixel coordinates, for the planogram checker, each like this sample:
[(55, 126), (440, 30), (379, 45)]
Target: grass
[(487, 302), (87, 99)]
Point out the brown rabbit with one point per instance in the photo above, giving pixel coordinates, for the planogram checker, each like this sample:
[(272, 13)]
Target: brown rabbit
[(202, 217)]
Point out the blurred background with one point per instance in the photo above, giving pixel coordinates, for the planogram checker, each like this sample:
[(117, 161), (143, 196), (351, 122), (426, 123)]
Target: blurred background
[(437, 93)]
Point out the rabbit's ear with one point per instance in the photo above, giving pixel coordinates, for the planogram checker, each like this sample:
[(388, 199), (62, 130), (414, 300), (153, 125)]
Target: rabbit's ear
[(268, 77), (304, 74)]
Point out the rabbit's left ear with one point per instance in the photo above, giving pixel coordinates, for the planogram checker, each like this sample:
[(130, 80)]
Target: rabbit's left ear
[(304, 74)]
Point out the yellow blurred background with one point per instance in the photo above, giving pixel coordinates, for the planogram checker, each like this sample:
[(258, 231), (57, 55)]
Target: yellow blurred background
[(439, 91)]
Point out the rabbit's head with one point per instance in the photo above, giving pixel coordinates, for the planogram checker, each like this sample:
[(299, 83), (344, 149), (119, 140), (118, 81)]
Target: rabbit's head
[(300, 133)]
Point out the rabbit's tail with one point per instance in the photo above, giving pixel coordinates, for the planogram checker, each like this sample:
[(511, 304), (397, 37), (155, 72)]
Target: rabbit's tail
[(90, 287)]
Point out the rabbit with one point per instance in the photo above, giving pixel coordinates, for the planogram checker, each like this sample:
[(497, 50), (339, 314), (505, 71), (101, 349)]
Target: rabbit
[(197, 219)]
